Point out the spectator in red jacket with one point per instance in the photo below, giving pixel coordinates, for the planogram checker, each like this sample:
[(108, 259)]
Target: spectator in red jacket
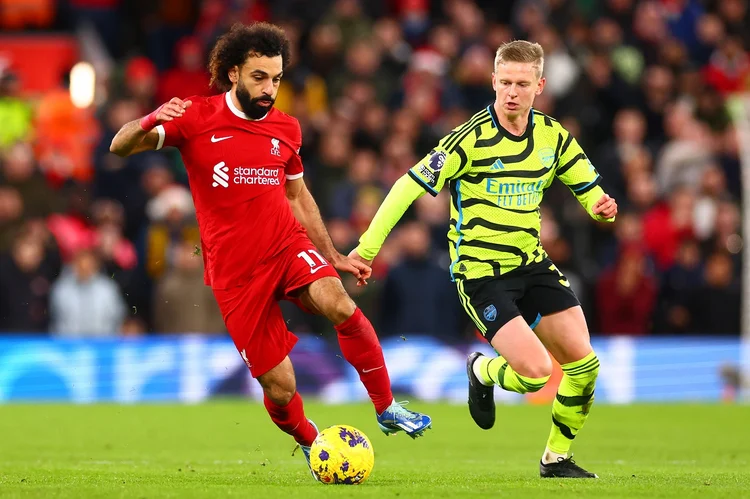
[(627, 295), (728, 67), (667, 225), (189, 76)]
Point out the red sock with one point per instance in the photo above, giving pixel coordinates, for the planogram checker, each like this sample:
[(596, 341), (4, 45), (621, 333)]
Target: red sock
[(361, 349), (291, 419)]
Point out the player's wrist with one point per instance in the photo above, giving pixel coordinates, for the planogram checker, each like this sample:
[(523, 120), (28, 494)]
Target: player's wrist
[(150, 121), (365, 254), (335, 257)]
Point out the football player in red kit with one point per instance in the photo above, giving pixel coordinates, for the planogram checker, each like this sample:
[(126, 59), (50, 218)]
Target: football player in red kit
[(262, 236)]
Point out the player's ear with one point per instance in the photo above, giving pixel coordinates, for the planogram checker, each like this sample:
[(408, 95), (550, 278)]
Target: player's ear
[(540, 87), (234, 74), (494, 86)]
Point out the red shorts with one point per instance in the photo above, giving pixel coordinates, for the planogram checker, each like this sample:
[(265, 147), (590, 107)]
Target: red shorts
[(251, 311)]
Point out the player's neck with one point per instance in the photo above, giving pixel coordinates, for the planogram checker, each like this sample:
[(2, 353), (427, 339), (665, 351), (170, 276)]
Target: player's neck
[(517, 125)]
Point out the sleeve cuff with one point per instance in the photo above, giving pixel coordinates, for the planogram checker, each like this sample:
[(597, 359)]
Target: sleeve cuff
[(583, 189), (295, 176), (162, 135), (421, 184), (367, 255)]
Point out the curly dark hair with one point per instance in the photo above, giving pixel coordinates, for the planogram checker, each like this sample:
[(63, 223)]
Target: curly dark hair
[(233, 48)]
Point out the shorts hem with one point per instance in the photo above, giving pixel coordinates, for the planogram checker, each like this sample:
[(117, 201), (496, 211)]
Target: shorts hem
[(269, 361), (490, 335)]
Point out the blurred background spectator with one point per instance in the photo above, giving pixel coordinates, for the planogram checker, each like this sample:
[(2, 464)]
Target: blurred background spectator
[(84, 302), (94, 244)]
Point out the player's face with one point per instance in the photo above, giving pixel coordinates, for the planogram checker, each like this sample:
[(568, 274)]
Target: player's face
[(516, 85), (257, 84)]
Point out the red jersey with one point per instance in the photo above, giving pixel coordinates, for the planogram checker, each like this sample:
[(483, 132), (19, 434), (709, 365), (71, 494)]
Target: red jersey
[(237, 169)]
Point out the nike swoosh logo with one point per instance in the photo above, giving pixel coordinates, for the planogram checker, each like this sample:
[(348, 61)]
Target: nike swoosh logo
[(215, 139), (371, 370), (312, 271)]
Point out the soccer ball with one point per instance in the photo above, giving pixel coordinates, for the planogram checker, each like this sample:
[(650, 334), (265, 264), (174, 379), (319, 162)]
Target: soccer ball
[(341, 454)]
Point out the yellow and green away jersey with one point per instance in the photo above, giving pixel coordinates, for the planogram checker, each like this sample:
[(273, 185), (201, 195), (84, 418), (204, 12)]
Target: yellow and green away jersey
[(497, 181)]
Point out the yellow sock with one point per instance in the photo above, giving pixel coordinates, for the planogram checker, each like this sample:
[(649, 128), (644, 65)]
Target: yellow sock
[(572, 403), (497, 371)]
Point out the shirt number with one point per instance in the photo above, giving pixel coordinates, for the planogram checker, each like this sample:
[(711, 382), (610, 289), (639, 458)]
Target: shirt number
[(563, 280), (315, 265)]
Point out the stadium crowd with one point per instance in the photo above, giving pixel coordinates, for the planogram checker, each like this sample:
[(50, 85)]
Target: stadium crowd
[(96, 245)]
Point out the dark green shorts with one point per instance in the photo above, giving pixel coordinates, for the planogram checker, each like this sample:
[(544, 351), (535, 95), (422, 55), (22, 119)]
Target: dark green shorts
[(532, 292)]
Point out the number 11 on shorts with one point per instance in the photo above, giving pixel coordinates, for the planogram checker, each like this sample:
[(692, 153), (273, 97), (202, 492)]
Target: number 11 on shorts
[(314, 265)]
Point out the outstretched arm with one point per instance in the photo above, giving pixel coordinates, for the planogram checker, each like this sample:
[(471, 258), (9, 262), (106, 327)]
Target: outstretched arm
[(403, 193), (306, 210), (443, 163), (139, 135)]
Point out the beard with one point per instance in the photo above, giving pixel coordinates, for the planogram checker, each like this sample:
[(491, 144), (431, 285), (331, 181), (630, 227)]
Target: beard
[(250, 106)]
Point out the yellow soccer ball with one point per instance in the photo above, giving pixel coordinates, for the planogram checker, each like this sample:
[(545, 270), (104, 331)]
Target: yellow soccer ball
[(342, 454)]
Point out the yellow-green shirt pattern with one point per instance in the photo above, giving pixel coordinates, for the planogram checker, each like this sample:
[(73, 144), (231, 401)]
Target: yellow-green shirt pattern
[(497, 181)]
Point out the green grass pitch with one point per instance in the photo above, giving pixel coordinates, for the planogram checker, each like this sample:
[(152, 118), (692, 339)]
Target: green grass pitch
[(231, 449)]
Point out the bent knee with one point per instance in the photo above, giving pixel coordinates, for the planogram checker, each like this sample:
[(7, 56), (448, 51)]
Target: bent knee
[(540, 368), (537, 377), (278, 389), (341, 308), (329, 298), (344, 308), (278, 394)]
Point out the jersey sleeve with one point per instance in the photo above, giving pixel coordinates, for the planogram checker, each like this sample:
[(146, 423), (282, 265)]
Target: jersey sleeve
[(174, 133), (576, 171), (442, 164), (403, 193), (294, 168)]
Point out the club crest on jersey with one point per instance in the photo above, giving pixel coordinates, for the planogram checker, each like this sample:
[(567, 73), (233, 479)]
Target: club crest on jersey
[(547, 156), (275, 151), (437, 160), (490, 313)]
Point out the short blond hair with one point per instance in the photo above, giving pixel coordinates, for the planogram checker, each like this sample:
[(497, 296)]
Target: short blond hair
[(521, 51)]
